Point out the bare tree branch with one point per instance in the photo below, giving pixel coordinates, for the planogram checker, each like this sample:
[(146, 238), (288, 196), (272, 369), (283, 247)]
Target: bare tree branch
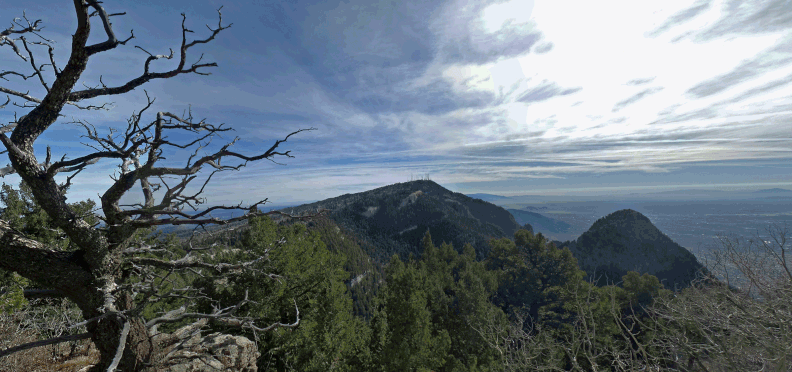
[(20, 94), (191, 263), (218, 221), (134, 83), (42, 293), (121, 345), (111, 280), (33, 64), (31, 28), (111, 41), (50, 341)]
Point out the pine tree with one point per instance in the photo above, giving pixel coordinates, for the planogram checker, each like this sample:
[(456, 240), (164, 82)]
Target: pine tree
[(301, 274)]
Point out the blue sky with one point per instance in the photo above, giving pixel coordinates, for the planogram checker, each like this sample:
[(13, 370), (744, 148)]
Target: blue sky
[(514, 97)]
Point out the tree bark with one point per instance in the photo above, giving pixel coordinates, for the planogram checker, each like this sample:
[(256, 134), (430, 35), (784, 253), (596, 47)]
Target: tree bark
[(68, 273), (139, 350), (92, 275)]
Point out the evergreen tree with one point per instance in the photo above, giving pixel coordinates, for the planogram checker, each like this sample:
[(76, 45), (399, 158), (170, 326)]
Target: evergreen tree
[(440, 302), (23, 213), (527, 269), (302, 274), (459, 290), (404, 337)]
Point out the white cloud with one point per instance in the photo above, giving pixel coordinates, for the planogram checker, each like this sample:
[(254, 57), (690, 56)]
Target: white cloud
[(613, 93), (496, 15), (599, 47)]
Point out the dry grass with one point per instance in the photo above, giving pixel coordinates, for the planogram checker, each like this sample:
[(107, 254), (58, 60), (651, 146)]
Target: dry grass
[(64, 357)]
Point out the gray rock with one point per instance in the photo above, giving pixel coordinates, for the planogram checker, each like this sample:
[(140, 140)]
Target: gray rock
[(215, 352)]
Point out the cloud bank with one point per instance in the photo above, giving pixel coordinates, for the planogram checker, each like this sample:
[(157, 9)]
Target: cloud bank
[(510, 95)]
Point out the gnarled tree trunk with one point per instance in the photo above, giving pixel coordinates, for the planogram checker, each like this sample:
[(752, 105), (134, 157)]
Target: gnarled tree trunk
[(94, 273)]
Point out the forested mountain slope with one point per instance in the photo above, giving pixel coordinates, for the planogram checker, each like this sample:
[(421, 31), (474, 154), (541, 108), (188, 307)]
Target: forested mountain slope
[(626, 240), (393, 219)]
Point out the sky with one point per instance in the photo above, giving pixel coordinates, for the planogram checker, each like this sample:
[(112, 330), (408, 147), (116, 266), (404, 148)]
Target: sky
[(504, 97)]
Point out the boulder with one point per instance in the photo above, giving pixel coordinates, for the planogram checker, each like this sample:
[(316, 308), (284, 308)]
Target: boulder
[(215, 352), (187, 351)]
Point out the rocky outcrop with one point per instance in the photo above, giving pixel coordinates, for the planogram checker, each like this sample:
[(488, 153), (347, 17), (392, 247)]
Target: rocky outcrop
[(410, 199), (188, 351), (215, 352)]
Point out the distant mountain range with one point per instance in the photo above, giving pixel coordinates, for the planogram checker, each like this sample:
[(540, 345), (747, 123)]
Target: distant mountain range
[(392, 220), (773, 191), (684, 194), (539, 222), (487, 197), (697, 192)]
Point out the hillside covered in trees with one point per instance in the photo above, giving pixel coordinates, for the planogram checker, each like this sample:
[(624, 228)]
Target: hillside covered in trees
[(406, 277), (527, 304), (625, 241), (391, 219)]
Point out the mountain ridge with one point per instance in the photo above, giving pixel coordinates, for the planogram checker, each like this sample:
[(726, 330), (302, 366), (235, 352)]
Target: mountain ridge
[(626, 240), (392, 220), (539, 222), (487, 197), (395, 217), (775, 190)]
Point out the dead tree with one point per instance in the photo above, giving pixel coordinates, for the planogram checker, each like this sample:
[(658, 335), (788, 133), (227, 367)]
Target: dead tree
[(109, 276)]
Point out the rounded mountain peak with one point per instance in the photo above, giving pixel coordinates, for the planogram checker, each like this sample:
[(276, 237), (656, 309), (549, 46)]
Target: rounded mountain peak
[(626, 240), (620, 217), (424, 185)]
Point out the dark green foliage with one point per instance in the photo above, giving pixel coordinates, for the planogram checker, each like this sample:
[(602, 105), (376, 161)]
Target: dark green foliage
[(640, 290), (296, 269), (11, 292), (430, 312), (625, 241), (25, 215), (392, 219), (459, 289), (365, 274), (404, 337), (527, 268)]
